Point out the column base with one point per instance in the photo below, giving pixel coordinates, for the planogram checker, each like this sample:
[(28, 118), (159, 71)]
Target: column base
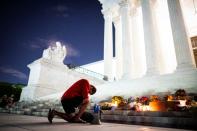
[(185, 68), (108, 78), (126, 76), (152, 72)]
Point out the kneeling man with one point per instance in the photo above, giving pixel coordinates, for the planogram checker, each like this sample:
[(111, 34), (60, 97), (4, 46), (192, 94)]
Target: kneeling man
[(77, 96)]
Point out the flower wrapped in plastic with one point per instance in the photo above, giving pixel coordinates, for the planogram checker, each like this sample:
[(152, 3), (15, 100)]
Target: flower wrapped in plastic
[(154, 98), (117, 100), (144, 100)]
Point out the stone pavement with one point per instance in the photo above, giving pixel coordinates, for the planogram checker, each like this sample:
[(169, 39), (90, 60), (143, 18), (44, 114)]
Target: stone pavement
[(13, 122)]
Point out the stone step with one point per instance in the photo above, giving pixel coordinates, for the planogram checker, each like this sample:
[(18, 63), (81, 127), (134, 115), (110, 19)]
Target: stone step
[(166, 119), (178, 122), (4, 110), (43, 110), (17, 112), (40, 113), (150, 113)]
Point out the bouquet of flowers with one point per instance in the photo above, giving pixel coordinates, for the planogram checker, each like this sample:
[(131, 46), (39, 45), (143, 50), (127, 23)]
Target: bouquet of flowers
[(154, 98), (117, 100), (180, 94), (130, 99), (144, 100)]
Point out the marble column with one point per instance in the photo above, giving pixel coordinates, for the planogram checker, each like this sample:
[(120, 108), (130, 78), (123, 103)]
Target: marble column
[(118, 47), (126, 39), (151, 49), (138, 46), (181, 43), (108, 44)]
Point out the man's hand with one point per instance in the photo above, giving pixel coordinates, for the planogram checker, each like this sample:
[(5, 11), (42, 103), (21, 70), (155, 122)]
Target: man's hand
[(82, 108)]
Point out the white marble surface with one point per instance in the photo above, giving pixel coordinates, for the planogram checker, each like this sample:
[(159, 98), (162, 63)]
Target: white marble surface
[(48, 75)]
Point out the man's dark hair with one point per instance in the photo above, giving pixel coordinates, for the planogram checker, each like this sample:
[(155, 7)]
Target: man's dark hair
[(93, 89)]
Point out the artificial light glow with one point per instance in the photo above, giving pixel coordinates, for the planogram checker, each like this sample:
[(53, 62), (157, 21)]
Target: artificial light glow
[(115, 104), (182, 103)]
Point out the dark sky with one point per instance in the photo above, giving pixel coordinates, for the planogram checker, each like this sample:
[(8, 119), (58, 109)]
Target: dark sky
[(29, 26)]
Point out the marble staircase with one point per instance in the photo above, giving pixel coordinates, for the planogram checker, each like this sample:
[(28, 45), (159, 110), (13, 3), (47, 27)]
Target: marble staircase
[(35, 108)]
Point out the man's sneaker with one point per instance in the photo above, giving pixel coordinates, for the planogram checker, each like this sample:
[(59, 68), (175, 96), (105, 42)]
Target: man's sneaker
[(50, 116)]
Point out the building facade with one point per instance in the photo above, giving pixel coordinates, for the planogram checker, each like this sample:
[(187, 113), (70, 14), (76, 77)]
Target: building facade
[(151, 37)]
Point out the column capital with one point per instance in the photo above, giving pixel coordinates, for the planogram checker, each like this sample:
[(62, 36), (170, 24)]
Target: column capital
[(116, 20), (124, 4), (107, 14), (149, 3), (124, 7), (134, 11)]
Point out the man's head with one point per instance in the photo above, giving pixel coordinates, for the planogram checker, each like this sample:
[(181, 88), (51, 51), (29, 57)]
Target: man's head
[(92, 90)]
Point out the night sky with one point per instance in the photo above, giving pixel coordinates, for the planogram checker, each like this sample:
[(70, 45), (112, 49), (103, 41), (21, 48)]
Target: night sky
[(29, 26)]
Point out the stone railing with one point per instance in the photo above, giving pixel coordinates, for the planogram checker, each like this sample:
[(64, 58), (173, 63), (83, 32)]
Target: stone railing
[(89, 72)]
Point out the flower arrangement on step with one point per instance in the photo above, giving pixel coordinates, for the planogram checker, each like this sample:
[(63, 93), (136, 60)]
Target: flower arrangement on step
[(170, 98), (138, 104), (180, 94), (144, 100), (154, 98), (119, 102), (131, 103), (170, 102), (105, 105), (116, 100), (156, 104), (114, 103)]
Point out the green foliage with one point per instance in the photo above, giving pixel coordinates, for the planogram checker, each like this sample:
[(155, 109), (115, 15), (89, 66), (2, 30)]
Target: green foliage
[(10, 88)]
